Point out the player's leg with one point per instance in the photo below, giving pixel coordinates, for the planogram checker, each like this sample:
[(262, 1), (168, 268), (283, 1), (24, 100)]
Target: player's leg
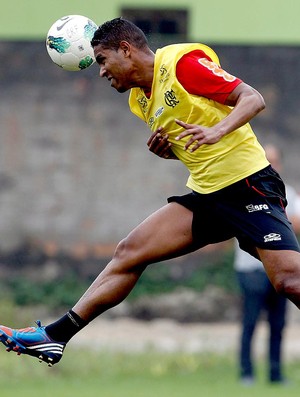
[(283, 269), (165, 234)]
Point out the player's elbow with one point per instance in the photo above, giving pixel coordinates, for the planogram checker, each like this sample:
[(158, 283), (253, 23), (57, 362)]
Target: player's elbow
[(260, 102), (257, 100)]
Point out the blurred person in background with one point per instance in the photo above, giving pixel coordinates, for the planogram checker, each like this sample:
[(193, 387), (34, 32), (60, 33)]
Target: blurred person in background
[(259, 295)]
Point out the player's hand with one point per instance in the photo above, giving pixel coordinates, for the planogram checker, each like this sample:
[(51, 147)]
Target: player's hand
[(199, 135), (159, 145)]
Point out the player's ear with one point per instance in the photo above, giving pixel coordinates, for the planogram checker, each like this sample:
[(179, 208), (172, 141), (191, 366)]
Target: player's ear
[(125, 47)]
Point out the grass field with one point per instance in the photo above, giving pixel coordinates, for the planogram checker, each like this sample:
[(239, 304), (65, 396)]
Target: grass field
[(83, 373)]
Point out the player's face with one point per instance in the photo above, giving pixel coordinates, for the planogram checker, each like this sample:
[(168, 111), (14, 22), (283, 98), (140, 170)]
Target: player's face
[(115, 66)]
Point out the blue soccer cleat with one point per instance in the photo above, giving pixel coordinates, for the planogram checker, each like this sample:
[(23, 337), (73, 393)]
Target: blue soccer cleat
[(33, 341)]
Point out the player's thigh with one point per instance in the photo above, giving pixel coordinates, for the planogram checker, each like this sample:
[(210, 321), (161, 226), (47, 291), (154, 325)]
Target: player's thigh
[(165, 234)]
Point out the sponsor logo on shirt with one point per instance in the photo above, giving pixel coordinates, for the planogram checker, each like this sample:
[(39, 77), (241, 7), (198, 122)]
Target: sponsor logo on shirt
[(164, 74), (158, 113), (216, 69), (142, 100), (151, 121)]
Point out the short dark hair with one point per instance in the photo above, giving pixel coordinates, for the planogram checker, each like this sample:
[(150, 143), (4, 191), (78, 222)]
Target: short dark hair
[(111, 33)]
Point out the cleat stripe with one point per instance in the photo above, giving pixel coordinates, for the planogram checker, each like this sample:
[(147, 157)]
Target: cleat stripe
[(51, 352), (47, 345), (46, 349)]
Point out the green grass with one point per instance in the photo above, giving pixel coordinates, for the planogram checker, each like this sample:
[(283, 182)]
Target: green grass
[(82, 373)]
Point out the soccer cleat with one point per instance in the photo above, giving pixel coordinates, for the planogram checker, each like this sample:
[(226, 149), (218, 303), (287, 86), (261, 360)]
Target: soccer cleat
[(33, 341)]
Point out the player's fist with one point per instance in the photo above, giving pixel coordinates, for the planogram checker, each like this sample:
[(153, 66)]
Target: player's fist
[(159, 145)]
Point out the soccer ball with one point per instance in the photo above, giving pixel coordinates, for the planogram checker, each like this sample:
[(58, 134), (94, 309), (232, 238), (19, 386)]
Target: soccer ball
[(69, 42)]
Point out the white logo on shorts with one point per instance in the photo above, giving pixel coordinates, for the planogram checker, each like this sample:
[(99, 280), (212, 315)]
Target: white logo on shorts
[(272, 237), (256, 207)]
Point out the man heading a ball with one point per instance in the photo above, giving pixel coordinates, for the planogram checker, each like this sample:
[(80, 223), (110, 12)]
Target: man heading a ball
[(199, 114)]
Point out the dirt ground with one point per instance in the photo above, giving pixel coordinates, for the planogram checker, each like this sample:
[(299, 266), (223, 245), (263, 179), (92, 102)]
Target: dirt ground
[(126, 334)]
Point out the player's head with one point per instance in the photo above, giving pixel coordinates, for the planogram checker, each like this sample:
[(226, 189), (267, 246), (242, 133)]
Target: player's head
[(119, 45), (110, 34)]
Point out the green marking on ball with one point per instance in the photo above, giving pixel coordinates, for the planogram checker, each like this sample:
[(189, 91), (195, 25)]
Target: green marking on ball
[(89, 30), (58, 44), (86, 62)]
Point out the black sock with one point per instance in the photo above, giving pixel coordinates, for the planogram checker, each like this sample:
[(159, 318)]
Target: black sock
[(66, 327)]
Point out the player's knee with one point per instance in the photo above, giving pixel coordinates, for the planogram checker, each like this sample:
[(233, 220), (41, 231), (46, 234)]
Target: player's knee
[(287, 284), (127, 253), (280, 285), (123, 249)]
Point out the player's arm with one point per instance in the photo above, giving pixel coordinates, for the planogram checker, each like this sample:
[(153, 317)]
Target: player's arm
[(246, 103), (211, 81), (159, 145)]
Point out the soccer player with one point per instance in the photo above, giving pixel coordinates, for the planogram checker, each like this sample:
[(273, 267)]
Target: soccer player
[(199, 114)]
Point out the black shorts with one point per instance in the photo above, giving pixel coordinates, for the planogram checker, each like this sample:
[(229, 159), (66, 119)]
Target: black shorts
[(252, 210)]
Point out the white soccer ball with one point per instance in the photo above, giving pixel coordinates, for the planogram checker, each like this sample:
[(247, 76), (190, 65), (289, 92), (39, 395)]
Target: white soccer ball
[(69, 42)]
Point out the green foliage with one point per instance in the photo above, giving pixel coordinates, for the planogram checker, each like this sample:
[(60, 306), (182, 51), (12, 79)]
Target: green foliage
[(14, 315), (159, 278), (22, 291)]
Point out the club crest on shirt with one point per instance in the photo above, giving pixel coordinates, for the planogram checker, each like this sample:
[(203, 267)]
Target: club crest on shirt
[(170, 98)]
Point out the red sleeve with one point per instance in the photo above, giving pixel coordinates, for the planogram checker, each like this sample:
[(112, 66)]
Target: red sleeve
[(200, 76)]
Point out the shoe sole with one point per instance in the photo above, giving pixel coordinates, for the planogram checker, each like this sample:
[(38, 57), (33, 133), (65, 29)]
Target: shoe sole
[(11, 345)]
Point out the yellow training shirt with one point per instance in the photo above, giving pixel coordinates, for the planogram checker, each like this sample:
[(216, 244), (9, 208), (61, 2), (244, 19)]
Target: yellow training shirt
[(212, 167)]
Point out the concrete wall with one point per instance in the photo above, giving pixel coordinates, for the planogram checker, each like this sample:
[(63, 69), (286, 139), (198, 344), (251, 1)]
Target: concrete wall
[(74, 166)]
